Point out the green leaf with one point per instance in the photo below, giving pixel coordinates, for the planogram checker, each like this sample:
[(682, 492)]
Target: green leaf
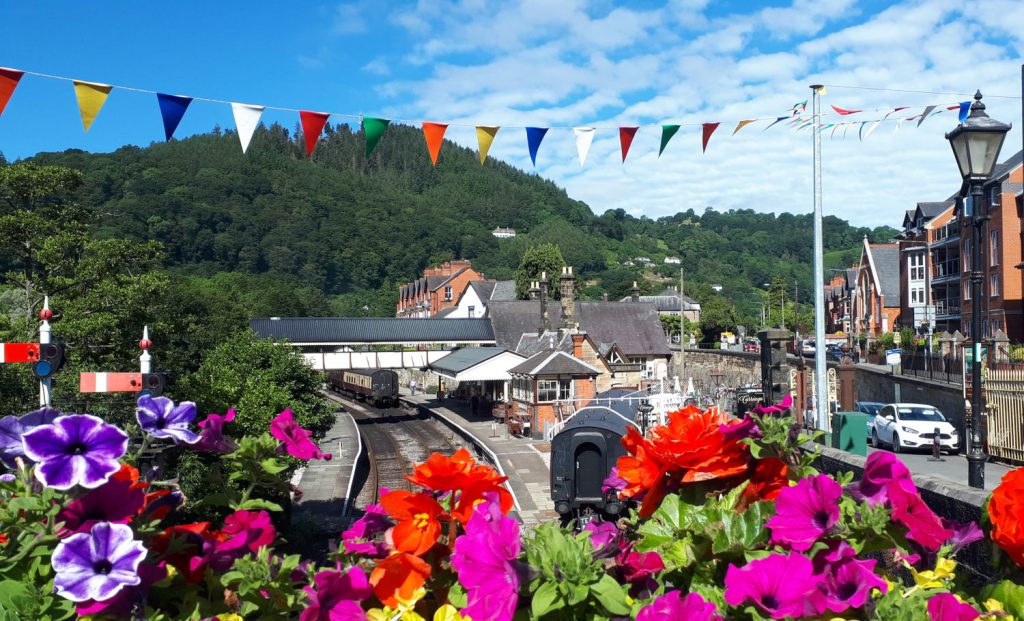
[(259, 503), (1010, 595), (611, 595), (546, 599), (273, 466)]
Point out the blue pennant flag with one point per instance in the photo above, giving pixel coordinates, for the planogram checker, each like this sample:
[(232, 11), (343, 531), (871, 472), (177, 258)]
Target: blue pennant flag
[(533, 137), (172, 108), (965, 108), (781, 118)]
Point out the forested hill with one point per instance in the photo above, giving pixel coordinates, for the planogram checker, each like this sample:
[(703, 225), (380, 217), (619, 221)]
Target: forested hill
[(357, 228)]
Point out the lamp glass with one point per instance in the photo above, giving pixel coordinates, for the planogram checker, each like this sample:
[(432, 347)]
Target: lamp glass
[(984, 149)]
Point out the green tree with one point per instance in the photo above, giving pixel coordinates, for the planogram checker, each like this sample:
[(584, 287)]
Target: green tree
[(546, 258)]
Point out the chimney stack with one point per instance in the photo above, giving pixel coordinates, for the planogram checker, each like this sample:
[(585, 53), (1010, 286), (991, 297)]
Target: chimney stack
[(534, 289), (567, 289), (543, 304), (604, 296), (636, 292)]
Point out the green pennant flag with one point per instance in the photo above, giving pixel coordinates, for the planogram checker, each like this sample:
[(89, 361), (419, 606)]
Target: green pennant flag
[(667, 131), (374, 129)]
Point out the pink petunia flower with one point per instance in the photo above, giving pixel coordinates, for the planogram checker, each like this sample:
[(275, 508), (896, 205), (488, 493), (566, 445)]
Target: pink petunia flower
[(336, 596), (638, 570), (250, 530), (673, 605), (357, 539), (923, 526), (485, 559), (605, 537), (946, 607), (116, 501), (294, 438), (780, 585), (881, 470), (211, 434), (805, 512), (845, 581)]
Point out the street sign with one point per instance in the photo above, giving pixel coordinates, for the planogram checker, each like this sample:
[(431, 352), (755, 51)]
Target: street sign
[(893, 356)]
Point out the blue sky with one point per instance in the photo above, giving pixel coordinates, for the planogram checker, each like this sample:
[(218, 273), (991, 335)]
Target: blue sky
[(561, 64)]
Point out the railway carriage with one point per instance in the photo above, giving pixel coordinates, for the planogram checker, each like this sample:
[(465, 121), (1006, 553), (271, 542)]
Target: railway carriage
[(378, 387)]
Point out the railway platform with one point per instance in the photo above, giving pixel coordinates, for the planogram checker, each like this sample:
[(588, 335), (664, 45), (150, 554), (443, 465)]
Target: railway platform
[(525, 462), (325, 484)]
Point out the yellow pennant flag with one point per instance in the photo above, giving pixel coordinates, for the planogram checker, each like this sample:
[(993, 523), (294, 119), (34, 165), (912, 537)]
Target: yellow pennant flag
[(485, 136), (742, 124), (91, 97)]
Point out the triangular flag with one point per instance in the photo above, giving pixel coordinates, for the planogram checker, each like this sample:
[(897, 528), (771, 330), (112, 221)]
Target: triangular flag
[(485, 136), (172, 108), (801, 105), (924, 115), (894, 111), (860, 132), (312, 124), (434, 135), (965, 109), (247, 118), (534, 135), (834, 128), (626, 139), (584, 137), (374, 129), (743, 124), (872, 128), (846, 129), (781, 118), (8, 82), (845, 112), (709, 128), (667, 131), (91, 97)]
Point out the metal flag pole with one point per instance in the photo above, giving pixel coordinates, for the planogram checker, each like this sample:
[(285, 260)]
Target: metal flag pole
[(820, 379), (45, 385)]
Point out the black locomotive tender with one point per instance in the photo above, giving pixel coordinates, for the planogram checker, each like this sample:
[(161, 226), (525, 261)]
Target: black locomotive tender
[(378, 387), (584, 452)]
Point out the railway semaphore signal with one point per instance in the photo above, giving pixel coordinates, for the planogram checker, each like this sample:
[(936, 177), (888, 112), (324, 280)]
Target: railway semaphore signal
[(145, 381)]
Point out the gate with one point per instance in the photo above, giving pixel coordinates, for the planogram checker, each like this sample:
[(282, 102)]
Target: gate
[(1004, 389)]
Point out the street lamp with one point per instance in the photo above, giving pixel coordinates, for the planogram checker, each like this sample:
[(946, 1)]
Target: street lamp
[(976, 143)]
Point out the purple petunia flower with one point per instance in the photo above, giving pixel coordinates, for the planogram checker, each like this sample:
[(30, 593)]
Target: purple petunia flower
[(781, 585), (337, 596), (7, 477), (673, 605), (485, 558), (880, 471), (845, 581), (605, 537), (12, 428), (98, 564), (638, 570), (946, 607), (121, 605), (963, 534), (211, 434), (78, 449), (740, 429), (160, 418), (805, 511), (613, 483)]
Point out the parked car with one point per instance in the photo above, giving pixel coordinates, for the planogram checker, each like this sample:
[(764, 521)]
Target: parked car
[(807, 348), (870, 408), (835, 352), (751, 345), (905, 426)]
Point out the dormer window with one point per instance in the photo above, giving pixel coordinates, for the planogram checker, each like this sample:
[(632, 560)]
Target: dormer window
[(447, 293)]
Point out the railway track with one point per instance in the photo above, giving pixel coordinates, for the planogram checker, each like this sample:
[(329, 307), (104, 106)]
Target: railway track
[(396, 439)]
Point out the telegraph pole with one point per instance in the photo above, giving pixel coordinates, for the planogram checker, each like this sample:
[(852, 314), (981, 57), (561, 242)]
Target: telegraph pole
[(820, 380)]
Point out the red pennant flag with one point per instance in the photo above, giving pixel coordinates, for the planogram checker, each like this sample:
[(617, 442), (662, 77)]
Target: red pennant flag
[(312, 124), (8, 82), (626, 139), (845, 112), (709, 128), (434, 134)]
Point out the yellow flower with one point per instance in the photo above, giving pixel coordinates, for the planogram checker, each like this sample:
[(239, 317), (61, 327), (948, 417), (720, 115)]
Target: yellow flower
[(933, 579), (993, 605), (405, 611), (228, 616), (449, 613)]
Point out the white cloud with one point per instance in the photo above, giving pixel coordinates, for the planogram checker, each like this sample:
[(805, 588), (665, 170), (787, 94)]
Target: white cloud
[(348, 19)]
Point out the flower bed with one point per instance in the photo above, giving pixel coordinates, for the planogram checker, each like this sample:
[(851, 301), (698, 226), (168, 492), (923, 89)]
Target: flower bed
[(730, 522)]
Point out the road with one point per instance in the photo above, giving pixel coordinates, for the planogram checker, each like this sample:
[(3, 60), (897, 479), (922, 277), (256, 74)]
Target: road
[(953, 468)]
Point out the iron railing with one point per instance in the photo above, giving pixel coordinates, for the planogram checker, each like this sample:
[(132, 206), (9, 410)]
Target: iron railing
[(934, 367)]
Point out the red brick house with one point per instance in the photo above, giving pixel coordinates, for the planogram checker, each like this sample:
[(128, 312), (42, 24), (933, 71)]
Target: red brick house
[(438, 289), (876, 301)]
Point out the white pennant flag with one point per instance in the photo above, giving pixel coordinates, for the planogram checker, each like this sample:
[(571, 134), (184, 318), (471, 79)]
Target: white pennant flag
[(584, 136), (872, 128), (246, 119)]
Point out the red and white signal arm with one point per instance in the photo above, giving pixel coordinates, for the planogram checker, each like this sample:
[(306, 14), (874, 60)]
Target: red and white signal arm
[(110, 382), (19, 352)]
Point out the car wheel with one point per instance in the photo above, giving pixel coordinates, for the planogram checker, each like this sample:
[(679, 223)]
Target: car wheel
[(896, 446), (874, 439), (954, 451)]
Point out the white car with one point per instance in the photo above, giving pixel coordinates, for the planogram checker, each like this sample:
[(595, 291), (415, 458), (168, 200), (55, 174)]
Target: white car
[(905, 426)]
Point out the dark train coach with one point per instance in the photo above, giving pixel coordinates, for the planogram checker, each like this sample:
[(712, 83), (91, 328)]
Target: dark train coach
[(583, 454), (376, 386)]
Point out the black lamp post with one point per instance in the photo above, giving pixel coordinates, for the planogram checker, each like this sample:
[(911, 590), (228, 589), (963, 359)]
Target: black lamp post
[(976, 143)]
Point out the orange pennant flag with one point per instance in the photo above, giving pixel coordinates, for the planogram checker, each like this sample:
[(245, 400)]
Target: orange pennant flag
[(741, 125), (434, 134), (8, 82)]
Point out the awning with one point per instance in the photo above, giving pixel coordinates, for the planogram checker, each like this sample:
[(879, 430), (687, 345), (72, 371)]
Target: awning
[(477, 364)]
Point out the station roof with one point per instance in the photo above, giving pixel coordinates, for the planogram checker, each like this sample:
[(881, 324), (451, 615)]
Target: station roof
[(477, 364), (554, 362), (373, 330)]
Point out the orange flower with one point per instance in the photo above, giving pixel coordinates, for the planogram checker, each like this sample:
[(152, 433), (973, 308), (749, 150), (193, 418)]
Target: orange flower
[(473, 494), (398, 577), (3, 538), (441, 474), (1006, 510), (768, 477), (641, 469), (417, 528)]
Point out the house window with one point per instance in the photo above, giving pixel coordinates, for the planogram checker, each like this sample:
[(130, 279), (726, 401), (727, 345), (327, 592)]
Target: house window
[(472, 312), (917, 296), (994, 286), (522, 389), (916, 266), (967, 255), (447, 293), (993, 244), (553, 390), (995, 197), (967, 290)]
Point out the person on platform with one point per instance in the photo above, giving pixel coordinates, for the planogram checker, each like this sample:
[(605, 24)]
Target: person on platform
[(412, 386), (442, 390)]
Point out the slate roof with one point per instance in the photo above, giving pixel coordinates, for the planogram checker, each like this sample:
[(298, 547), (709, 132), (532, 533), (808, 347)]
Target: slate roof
[(931, 209), (1006, 166), (444, 312), (342, 330), (667, 301), (504, 291), (634, 327), (887, 263), (531, 343), (553, 362), (462, 359), (483, 289)]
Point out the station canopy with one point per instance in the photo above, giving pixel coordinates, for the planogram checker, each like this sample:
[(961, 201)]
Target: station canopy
[(477, 364)]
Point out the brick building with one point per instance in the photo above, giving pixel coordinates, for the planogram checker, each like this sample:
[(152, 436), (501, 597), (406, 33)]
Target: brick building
[(876, 300), (438, 289), (918, 308)]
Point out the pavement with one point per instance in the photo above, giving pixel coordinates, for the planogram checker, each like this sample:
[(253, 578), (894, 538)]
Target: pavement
[(952, 468), (324, 484), (525, 462)]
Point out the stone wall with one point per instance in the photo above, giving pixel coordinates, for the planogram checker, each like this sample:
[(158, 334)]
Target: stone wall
[(881, 385), (738, 368)]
